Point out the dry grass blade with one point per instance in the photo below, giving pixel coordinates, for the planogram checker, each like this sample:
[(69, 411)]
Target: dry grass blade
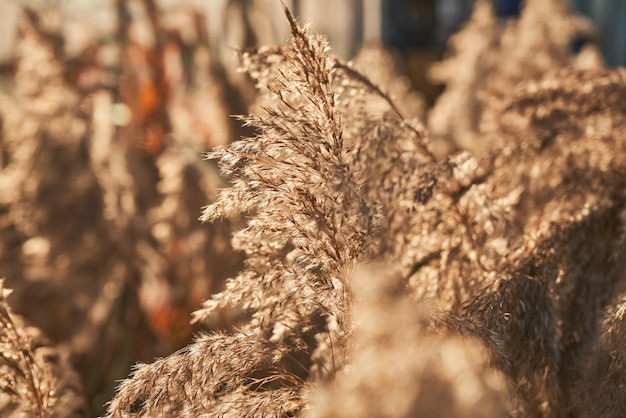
[(22, 378), (35, 378), (215, 373)]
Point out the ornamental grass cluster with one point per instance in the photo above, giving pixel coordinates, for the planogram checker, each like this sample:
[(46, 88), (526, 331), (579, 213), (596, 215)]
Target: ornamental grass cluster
[(389, 260)]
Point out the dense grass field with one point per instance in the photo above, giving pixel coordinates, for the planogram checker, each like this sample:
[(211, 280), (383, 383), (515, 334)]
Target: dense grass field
[(341, 249)]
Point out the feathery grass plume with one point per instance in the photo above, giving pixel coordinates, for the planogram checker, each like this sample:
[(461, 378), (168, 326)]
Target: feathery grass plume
[(600, 389), (558, 140), (440, 224), (426, 201), (307, 225), (523, 337), (310, 182), (400, 172), (216, 374), (23, 378), (560, 136), (495, 56), (308, 222), (414, 189), (401, 367), (597, 370), (562, 141), (36, 378), (540, 312), (431, 222)]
